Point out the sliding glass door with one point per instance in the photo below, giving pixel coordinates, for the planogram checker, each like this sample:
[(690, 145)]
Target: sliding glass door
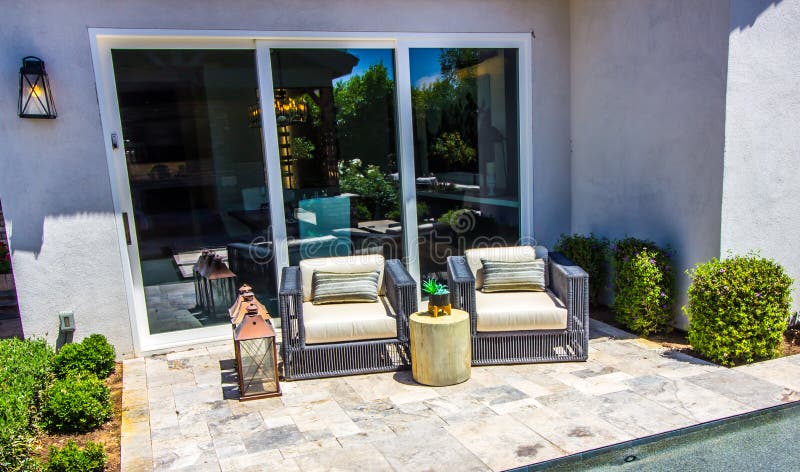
[(196, 176), (337, 149), (465, 107), (270, 151)]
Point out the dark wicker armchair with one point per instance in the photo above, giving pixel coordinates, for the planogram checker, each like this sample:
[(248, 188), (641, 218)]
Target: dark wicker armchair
[(308, 354), (558, 332)]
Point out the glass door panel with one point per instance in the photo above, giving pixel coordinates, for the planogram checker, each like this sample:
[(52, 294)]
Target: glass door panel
[(196, 174), (465, 106), (335, 111)]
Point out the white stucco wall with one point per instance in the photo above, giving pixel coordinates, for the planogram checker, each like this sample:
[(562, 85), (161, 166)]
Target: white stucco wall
[(648, 108), (761, 194), (54, 181)]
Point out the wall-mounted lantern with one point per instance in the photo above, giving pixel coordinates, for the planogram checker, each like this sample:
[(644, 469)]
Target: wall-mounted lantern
[(35, 95), (256, 356)]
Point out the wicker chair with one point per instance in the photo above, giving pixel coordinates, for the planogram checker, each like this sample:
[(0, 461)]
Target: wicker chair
[(305, 358), (565, 340)]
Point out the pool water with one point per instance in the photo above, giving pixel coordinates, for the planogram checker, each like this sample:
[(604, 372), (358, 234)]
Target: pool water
[(762, 440)]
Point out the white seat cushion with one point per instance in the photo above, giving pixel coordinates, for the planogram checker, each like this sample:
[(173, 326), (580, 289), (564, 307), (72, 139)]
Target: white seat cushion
[(500, 254), (348, 322), (340, 265), (519, 311)]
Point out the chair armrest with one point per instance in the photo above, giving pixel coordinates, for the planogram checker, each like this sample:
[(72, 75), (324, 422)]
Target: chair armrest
[(291, 307), (461, 284), (571, 284), (401, 290)]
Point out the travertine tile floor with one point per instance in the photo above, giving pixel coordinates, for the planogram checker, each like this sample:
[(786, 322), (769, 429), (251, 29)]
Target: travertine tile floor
[(181, 412)]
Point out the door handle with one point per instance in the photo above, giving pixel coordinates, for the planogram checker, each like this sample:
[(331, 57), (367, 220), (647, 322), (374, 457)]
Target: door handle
[(127, 227)]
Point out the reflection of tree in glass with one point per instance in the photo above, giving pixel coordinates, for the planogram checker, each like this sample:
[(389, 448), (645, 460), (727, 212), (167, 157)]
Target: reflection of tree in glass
[(454, 60), (365, 117), (449, 112), (302, 148), (377, 196), (451, 148)]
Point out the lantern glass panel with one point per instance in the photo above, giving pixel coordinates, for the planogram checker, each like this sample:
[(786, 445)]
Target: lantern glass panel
[(223, 295), (33, 95), (258, 376)]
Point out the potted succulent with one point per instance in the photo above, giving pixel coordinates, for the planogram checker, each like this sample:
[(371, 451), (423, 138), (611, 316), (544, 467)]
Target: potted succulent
[(438, 297)]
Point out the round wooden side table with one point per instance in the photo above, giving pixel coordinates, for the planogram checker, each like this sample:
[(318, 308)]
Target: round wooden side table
[(441, 351)]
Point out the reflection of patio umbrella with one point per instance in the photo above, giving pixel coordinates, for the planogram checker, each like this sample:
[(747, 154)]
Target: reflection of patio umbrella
[(310, 68)]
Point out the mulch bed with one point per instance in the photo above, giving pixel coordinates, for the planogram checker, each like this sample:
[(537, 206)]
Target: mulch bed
[(109, 434), (677, 340)]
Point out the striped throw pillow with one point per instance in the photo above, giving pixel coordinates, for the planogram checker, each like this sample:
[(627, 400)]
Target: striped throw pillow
[(329, 287), (513, 276)]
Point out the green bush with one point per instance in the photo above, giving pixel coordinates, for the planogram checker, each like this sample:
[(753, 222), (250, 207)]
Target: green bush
[(738, 308), (643, 286), (71, 458), (93, 355), (77, 403), (24, 372), (591, 253), (5, 259)]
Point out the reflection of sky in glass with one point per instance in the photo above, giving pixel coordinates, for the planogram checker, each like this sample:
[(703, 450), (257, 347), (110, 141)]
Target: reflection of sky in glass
[(425, 67), (367, 58)]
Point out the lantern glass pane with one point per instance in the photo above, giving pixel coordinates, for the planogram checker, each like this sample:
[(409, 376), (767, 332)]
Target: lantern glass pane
[(34, 95), (223, 293), (258, 367)]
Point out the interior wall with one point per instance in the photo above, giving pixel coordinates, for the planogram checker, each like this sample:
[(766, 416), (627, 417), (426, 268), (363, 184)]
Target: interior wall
[(54, 179), (648, 111), (761, 194)]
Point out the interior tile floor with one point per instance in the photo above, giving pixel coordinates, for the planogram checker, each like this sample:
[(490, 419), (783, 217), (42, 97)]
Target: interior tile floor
[(181, 410)]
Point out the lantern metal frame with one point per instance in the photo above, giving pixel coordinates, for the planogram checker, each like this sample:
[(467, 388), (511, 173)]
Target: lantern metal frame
[(251, 328), (34, 90)]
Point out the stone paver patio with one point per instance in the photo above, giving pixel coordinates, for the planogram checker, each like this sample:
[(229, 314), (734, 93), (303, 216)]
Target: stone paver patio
[(181, 412)]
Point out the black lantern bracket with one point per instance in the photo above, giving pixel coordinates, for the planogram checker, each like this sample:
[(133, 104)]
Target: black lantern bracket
[(35, 95)]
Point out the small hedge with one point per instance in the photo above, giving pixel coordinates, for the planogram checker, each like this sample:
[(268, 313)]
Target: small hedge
[(591, 253), (77, 403), (738, 308), (24, 372), (71, 458), (92, 355), (643, 286)]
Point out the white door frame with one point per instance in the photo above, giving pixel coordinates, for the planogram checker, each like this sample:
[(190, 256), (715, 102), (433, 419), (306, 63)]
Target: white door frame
[(103, 40)]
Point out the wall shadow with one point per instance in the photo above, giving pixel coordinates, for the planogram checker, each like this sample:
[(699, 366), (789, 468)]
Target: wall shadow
[(744, 13)]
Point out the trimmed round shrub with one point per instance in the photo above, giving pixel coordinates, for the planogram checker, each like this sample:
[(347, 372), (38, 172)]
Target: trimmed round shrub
[(92, 355), (77, 403), (24, 372), (738, 308), (591, 253), (643, 286), (71, 458)]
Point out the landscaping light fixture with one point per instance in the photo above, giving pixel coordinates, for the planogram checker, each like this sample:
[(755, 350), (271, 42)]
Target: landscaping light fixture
[(35, 96), (66, 321)]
